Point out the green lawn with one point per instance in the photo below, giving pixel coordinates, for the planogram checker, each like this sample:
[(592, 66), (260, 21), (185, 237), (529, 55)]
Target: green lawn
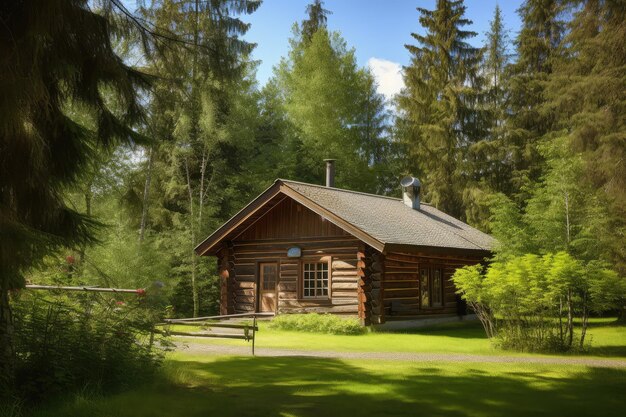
[(607, 340), (192, 385), (261, 386)]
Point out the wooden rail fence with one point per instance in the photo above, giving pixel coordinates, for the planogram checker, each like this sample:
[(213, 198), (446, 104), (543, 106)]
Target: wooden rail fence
[(248, 331)]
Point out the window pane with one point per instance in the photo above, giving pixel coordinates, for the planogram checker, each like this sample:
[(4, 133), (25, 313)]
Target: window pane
[(315, 279), (269, 274), (424, 289)]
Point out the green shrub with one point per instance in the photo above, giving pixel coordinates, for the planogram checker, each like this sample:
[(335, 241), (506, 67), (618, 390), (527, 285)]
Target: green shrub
[(318, 323), (67, 342), (529, 302)]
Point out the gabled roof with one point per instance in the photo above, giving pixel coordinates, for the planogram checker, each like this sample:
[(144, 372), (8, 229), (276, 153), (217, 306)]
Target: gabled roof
[(384, 223)]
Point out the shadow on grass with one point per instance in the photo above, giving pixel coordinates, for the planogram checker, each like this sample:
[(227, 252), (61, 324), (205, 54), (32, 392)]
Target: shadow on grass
[(607, 351), (324, 387), (461, 330)]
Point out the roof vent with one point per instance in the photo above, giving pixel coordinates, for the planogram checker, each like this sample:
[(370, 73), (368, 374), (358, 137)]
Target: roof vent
[(411, 189), (330, 172)]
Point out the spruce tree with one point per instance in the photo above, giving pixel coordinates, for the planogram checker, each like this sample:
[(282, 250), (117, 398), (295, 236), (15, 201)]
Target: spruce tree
[(50, 65), (537, 49), (438, 107), (373, 131), (586, 92), (489, 164), (317, 18)]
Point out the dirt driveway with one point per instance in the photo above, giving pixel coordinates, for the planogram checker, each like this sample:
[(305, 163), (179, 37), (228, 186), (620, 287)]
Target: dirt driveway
[(197, 348)]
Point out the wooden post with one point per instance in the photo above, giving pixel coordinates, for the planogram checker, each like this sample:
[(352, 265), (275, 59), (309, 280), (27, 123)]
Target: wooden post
[(364, 305), (253, 332), (232, 277), (224, 275)]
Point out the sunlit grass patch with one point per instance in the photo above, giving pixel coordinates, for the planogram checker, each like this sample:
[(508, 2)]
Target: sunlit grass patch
[(196, 385)]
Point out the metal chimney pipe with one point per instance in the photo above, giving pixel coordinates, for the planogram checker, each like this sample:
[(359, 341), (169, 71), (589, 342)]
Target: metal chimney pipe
[(330, 172), (411, 191)]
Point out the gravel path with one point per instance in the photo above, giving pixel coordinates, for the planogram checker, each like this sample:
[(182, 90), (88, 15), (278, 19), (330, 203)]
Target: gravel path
[(197, 348)]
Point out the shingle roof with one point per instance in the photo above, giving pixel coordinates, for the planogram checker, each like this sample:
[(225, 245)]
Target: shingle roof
[(385, 223), (390, 221)]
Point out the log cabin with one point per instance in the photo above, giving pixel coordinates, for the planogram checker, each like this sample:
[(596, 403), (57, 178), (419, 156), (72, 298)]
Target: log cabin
[(301, 248)]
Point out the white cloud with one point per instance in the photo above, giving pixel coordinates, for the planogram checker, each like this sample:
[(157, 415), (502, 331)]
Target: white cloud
[(388, 75)]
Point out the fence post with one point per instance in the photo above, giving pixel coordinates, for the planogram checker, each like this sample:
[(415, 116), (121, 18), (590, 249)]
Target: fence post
[(253, 332)]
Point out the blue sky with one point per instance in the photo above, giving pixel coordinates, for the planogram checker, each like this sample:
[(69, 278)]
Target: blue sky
[(377, 29)]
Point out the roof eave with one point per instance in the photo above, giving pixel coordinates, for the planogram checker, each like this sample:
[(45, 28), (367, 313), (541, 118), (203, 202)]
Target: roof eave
[(208, 245), (212, 244)]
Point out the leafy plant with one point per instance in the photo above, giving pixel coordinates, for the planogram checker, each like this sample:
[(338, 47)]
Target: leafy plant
[(318, 323), (65, 343), (530, 302)]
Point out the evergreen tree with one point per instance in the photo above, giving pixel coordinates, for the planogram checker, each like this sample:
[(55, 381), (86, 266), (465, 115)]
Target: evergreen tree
[(374, 134), (438, 108), (488, 160), (586, 92), (317, 17), (48, 66), (537, 48)]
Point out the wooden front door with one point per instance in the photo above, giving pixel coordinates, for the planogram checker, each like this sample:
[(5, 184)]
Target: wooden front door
[(268, 277)]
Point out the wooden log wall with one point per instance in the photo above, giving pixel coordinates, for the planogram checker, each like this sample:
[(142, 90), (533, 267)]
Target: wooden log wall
[(223, 271), (400, 287), (339, 252), (370, 296)]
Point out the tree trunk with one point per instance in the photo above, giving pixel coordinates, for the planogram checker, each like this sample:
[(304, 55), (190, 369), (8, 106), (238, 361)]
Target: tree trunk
[(146, 195), (570, 318), (194, 262), (7, 352), (585, 319), (561, 319), (194, 286)]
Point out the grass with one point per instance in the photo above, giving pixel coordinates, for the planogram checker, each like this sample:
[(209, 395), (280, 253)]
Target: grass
[(607, 340), (192, 385), (245, 386)]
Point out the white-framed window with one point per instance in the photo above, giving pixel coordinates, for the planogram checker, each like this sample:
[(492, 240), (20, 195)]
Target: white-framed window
[(315, 280)]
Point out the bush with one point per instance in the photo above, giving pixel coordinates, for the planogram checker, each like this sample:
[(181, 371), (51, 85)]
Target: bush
[(529, 302), (318, 323), (67, 342)]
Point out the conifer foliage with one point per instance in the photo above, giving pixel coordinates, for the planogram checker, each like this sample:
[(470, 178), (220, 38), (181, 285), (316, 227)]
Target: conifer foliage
[(438, 110), (48, 63)]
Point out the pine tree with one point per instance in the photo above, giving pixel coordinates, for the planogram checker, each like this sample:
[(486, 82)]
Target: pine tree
[(537, 48), (43, 149), (438, 108)]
